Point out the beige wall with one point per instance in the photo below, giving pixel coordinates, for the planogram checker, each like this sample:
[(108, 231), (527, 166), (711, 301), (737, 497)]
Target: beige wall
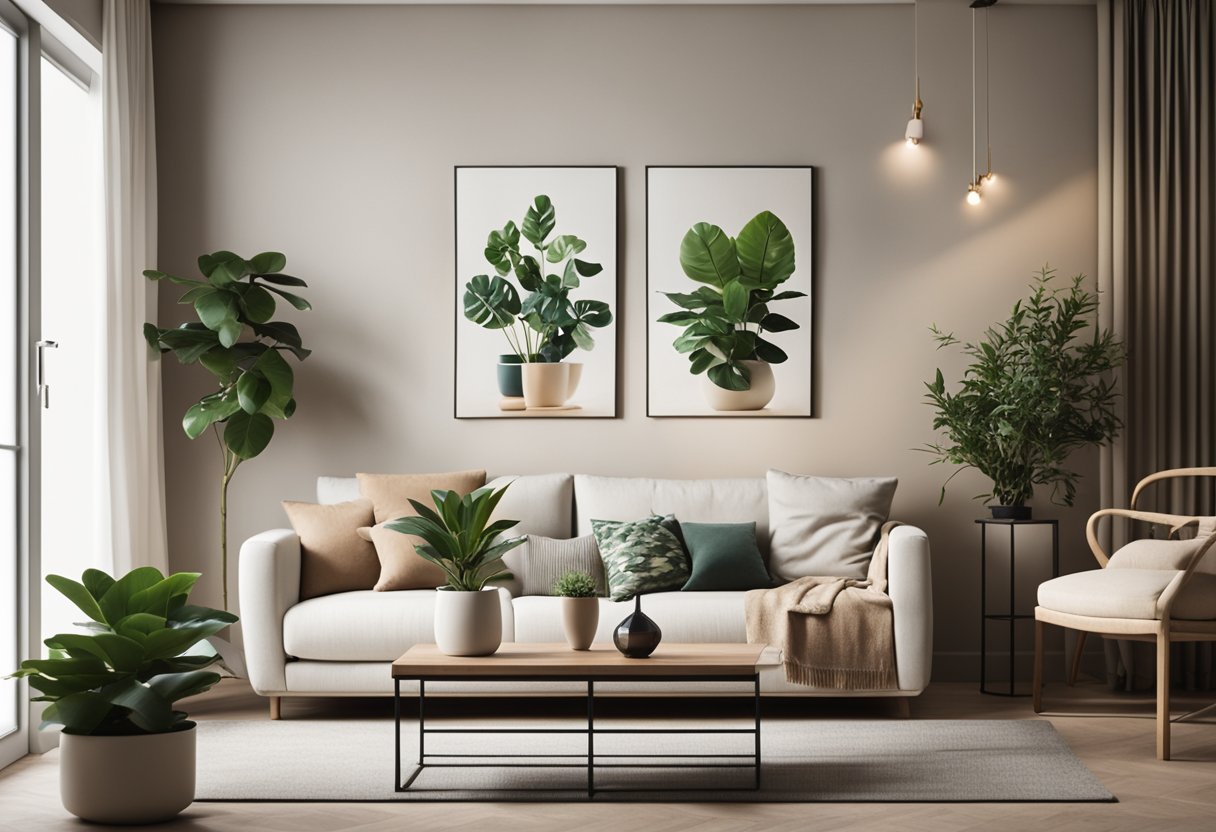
[(330, 134)]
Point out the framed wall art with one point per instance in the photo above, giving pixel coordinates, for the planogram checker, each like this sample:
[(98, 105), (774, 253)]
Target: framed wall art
[(729, 253), (536, 292)]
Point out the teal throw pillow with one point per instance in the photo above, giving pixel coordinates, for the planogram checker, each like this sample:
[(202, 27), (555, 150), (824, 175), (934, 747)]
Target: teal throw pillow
[(640, 556), (724, 557)]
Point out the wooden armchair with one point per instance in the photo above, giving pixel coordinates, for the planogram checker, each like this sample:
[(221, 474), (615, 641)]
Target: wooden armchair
[(1158, 591)]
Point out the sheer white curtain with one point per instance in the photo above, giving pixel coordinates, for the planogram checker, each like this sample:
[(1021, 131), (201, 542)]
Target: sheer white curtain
[(132, 456)]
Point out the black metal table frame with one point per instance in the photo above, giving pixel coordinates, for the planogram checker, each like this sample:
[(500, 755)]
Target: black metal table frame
[(590, 759), (1012, 616)]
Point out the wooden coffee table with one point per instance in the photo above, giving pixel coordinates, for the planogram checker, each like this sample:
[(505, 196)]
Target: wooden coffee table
[(602, 663)]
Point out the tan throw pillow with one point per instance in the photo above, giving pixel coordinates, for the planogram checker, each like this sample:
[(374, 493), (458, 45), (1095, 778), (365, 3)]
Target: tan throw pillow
[(391, 493), (333, 558), (400, 565)]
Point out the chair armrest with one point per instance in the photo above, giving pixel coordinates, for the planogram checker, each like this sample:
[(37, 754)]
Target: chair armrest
[(269, 586), (1174, 521), (910, 586)]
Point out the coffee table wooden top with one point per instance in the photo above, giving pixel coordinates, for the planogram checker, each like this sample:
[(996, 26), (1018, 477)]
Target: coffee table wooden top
[(602, 661)]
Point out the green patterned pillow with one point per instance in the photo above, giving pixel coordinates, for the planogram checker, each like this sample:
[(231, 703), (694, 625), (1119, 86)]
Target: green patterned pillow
[(640, 556)]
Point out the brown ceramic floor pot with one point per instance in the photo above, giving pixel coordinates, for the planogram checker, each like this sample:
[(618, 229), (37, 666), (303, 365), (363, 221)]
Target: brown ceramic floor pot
[(143, 778)]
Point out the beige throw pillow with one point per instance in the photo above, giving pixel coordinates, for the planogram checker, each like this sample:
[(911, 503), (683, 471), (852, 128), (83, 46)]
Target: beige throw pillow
[(391, 493), (825, 525), (400, 565), (333, 558)]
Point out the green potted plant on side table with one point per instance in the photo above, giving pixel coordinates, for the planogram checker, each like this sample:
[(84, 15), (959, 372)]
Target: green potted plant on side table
[(126, 754), (726, 319), (1039, 386), (460, 539), (580, 608)]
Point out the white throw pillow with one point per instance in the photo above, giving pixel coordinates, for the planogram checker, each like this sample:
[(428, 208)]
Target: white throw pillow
[(825, 525)]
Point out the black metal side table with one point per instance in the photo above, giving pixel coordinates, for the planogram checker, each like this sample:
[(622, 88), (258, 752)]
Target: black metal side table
[(1012, 616)]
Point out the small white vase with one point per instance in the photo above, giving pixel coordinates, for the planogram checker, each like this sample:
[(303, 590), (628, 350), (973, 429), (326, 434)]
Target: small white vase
[(580, 618), (143, 778), (763, 386), (468, 623)]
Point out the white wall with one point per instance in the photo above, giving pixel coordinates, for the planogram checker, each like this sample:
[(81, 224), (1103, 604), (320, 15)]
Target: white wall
[(330, 134)]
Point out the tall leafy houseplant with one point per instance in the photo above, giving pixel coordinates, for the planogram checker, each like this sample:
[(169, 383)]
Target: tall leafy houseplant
[(1039, 386), (538, 320), (726, 319), (235, 300)]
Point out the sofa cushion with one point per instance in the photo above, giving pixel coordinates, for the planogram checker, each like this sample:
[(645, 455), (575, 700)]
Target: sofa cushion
[(825, 525), (640, 556), (367, 626), (696, 501), (1129, 593), (391, 493), (724, 557), (542, 503), (401, 567), (333, 557), (545, 559), (682, 616)]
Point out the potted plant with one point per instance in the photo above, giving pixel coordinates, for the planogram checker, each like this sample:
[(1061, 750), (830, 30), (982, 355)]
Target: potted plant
[(1039, 386), (726, 319), (460, 539), (543, 327), (255, 382), (127, 750), (580, 608)]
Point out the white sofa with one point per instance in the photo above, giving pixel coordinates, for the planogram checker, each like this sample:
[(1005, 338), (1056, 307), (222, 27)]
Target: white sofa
[(343, 644)]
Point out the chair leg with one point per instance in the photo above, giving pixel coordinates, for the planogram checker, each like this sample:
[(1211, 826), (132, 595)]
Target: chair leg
[(903, 707), (1037, 684), (276, 707), (1163, 692), (1075, 670)]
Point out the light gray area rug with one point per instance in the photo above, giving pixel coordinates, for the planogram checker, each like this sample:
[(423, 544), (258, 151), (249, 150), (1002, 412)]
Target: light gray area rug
[(973, 761)]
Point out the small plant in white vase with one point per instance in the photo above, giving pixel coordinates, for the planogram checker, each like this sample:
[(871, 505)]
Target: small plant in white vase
[(459, 538), (580, 608)]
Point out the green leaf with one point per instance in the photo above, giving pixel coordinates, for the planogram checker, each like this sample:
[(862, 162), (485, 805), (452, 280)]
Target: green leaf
[(174, 686), (281, 280), (770, 352), (153, 274), (189, 344), (203, 414), (98, 583), (679, 318), (267, 262), (527, 272), (730, 376), (221, 363), (117, 603), (701, 360), (593, 313), (587, 269), (152, 336), (788, 295), (247, 435), (229, 332), (148, 710), (693, 301), (582, 337), (707, 255), (227, 270), (734, 300), (78, 595), (215, 308), (491, 302), (189, 298), (500, 246), (275, 369), (766, 251), (777, 323), (295, 300), (563, 247), (539, 220), (79, 713), (259, 304), (252, 391), (570, 276)]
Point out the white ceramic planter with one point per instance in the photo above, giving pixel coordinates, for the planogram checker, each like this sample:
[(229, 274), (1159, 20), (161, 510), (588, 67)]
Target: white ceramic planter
[(581, 618), (763, 386), (144, 778), (549, 385), (468, 623)]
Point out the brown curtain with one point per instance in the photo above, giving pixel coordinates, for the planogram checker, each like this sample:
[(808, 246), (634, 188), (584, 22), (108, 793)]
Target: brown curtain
[(1166, 228)]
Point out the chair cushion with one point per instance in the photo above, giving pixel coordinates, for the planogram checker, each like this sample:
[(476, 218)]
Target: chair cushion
[(360, 626), (1153, 554), (1128, 593), (688, 617)]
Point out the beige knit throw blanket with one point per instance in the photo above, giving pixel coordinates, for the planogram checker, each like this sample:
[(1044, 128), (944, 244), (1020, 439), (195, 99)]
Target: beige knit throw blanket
[(834, 633)]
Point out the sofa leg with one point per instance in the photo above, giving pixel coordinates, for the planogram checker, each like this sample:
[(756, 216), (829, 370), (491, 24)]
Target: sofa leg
[(1075, 670), (276, 706), (903, 707), (1037, 684)]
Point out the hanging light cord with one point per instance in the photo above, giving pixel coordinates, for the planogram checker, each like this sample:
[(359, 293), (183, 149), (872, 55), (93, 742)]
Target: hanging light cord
[(987, 93), (916, 50), (974, 169)]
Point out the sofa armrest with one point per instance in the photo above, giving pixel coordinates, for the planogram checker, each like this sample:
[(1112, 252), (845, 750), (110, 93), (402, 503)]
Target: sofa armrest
[(269, 586), (910, 585)]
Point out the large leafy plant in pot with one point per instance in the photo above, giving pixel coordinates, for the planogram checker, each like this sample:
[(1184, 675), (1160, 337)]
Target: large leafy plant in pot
[(236, 340), (127, 749), (727, 319), (1040, 386), (459, 538), (539, 320)]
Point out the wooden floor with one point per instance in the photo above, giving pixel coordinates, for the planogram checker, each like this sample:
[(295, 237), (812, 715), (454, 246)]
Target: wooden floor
[(1112, 734)]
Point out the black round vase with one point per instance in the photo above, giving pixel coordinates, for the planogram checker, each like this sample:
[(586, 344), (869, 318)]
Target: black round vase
[(637, 636), (1010, 512)]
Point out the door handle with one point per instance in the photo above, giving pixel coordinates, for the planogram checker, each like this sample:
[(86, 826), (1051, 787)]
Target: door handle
[(44, 389)]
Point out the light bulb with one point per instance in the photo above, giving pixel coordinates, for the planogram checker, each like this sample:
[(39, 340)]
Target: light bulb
[(973, 195), (915, 131)]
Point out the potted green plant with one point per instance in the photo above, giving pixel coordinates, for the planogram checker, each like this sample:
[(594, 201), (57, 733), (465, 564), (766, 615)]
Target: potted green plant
[(544, 326), (127, 749), (580, 608), (1040, 385), (255, 382), (726, 319), (459, 538)]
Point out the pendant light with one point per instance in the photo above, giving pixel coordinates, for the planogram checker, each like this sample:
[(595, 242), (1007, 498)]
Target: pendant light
[(915, 131), (973, 185)]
